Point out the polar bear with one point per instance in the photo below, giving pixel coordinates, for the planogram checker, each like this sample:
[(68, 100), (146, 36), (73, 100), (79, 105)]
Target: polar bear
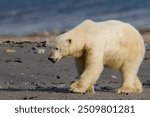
[(95, 45)]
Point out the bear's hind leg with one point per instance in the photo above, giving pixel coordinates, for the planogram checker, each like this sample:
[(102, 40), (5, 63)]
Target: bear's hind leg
[(138, 85), (128, 84), (131, 83)]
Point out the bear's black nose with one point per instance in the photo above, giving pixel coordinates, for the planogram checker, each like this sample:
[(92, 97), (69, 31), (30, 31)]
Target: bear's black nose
[(52, 60)]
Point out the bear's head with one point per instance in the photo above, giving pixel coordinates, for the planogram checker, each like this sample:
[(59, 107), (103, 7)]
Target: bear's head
[(59, 48), (67, 44)]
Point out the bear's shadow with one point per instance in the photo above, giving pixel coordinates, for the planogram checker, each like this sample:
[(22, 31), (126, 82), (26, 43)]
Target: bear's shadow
[(55, 89), (47, 89)]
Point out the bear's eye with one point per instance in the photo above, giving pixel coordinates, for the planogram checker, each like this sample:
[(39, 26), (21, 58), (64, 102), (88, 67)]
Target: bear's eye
[(69, 41), (56, 48)]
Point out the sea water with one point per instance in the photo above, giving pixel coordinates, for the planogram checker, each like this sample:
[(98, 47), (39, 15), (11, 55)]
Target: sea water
[(27, 16)]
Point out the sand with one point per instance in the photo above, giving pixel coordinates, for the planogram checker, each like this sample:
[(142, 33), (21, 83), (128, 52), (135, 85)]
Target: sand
[(28, 75)]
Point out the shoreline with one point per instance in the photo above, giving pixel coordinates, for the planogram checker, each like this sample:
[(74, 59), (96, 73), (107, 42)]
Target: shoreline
[(41, 36), (33, 37)]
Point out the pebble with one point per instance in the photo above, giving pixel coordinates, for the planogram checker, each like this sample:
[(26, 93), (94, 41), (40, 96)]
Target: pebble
[(22, 73), (58, 77), (112, 76), (61, 86)]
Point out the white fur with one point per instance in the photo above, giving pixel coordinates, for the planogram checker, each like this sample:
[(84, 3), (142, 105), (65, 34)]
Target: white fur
[(113, 44)]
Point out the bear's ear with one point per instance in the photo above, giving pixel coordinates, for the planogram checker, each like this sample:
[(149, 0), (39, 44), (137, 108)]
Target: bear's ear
[(69, 41)]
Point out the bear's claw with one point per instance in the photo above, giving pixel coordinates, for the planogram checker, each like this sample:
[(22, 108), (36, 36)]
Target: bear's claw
[(77, 87), (126, 90)]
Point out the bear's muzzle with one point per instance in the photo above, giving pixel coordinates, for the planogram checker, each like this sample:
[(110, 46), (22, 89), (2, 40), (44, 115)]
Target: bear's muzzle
[(53, 60)]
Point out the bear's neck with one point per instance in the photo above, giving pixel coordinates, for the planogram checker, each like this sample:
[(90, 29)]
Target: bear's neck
[(78, 53)]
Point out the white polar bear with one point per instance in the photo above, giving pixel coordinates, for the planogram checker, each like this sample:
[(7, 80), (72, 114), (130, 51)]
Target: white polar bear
[(113, 44)]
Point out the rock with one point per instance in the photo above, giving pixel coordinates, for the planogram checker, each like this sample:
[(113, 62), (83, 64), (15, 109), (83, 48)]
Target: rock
[(38, 86), (41, 51), (10, 50), (33, 97), (146, 83), (25, 98), (106, 88), (58, 77), (30, 98), (18, 60), (38, 50)]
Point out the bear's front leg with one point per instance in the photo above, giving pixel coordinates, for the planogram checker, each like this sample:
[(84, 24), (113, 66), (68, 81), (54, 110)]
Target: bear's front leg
[(91, 73), (80, 64), (86, 81)]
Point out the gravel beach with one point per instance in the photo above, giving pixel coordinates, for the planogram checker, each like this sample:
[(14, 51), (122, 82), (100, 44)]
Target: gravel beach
[(26, 73)]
